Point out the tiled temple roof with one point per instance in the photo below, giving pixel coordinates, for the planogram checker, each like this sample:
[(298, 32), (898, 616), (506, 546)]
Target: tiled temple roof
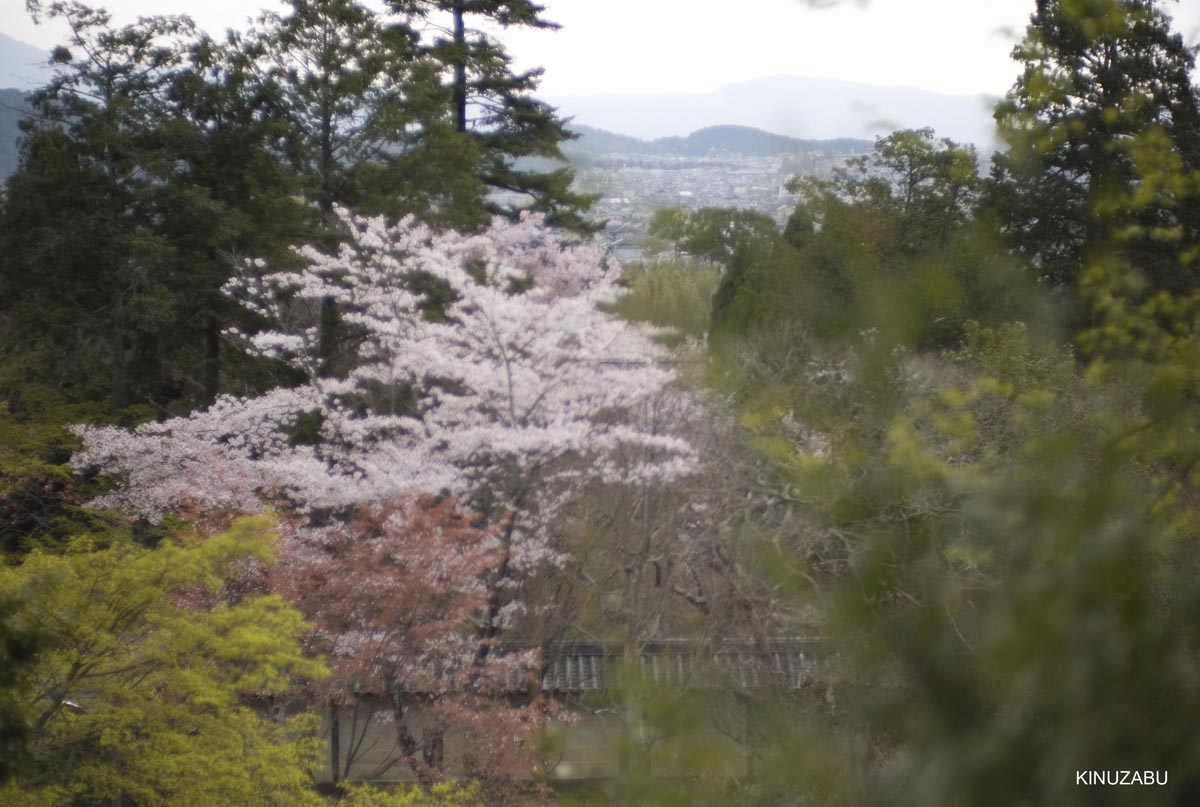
[(581, 667)]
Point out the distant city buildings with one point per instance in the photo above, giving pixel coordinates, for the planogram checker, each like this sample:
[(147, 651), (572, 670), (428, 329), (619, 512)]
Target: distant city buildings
[(633, 186)]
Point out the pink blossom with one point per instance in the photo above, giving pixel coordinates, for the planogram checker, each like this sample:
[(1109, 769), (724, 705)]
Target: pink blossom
[(525, 382)]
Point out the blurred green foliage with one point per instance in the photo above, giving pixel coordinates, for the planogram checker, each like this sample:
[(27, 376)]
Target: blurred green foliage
[(981, 399), (443, 795), (893, 240), (671, 294)]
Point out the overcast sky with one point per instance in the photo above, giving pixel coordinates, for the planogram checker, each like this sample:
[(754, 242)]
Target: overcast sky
[(692, 46)]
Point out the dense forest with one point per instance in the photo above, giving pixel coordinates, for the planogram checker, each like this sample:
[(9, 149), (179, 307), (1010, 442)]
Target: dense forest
[(324, 418)]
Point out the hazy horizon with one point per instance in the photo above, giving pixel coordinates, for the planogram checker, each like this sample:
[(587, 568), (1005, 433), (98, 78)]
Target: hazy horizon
[(671, 47), (939, 63), (796, 106)]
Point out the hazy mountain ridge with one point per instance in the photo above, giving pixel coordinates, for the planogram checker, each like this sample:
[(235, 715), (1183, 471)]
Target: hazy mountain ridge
[(742, 140), (751, 141), (13, 107), (770, 116), (22, 66), (806, 108)]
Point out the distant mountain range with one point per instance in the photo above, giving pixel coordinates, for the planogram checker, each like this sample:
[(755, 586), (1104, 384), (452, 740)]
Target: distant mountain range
[(588, 147), (812, 108), (807, 114), (744, 140), (23, 68), (12, 108)]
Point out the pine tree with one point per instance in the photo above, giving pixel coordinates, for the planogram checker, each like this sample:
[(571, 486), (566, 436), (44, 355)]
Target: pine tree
[(370, 127), (88, 270), (150, 170), (518, 136), (1106, 93)]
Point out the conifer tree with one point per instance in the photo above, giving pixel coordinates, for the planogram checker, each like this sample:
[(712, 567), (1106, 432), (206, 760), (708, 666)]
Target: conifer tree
[(89, 272), (150, 167), (517, 135), (370, 127), (1106, 93)]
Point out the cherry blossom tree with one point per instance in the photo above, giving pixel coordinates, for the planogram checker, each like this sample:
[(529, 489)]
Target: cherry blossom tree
[(516, 389), (522, 380), (482, 367)]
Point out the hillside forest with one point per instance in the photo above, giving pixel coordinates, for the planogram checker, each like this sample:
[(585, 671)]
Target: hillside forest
[(317, 391)]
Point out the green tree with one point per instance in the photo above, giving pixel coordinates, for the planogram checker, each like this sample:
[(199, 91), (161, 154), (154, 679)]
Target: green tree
[(718, 233), (143, 689), (517, 136), (669, 224), (232, 197), (149, 173), (897, 224), (932, 185), (1100, 79), (19, 643), (369, 121), (39, 494), (87, 274)]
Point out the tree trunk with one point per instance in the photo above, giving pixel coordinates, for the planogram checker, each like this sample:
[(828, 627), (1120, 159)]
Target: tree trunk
[(335, 743), (460, 67), (325, 344), (120, 369), (212, 360)]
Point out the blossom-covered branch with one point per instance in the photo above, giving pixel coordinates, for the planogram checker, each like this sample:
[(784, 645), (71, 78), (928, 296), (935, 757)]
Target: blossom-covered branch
[(520, 376)]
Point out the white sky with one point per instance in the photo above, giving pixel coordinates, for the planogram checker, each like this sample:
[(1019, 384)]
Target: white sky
[(691, 46)]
